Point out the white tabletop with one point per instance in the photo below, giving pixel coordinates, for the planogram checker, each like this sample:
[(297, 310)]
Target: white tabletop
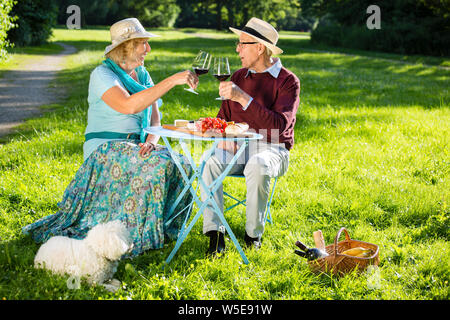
[(160, 131)]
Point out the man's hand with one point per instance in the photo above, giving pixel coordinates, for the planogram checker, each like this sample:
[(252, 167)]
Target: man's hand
[(229, 90)]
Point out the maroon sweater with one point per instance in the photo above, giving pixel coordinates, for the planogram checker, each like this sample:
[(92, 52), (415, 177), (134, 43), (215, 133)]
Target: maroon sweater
[(273, 109)]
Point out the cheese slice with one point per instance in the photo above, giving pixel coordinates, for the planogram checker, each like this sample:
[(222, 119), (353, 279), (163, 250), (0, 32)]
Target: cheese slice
[(181, 123)]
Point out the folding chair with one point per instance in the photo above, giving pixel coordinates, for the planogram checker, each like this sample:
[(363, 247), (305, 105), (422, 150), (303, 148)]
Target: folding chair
[(268, 215)]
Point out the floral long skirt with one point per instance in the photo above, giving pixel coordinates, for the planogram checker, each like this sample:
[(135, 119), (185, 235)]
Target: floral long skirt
[(116, 183)]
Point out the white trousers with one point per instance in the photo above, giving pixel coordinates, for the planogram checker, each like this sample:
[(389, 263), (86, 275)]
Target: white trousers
[(258, 163)]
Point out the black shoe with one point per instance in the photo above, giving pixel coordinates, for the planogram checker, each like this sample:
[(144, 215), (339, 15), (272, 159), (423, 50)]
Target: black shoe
[(216, 242), (252, 242)]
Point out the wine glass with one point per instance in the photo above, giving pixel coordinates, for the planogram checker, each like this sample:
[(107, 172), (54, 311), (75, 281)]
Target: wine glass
[(200, 65), (221, 70)]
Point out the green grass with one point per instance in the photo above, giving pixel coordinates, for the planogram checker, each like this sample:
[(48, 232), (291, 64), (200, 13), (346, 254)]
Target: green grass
[(371, 153), (20, 56)]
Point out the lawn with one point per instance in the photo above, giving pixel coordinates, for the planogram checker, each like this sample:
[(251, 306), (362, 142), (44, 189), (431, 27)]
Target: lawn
[(371, 154)]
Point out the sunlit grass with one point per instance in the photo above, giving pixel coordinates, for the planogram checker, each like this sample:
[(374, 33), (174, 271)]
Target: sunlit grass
[(371, 153)]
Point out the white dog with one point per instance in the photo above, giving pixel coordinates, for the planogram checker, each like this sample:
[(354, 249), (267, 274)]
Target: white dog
[(95, 257)]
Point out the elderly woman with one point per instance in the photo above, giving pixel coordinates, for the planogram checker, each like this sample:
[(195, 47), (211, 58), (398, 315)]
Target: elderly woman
[(125, 175)]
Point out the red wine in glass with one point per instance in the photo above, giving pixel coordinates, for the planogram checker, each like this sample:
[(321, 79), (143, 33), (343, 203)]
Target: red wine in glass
[(200, 65), (221, 77), (200, 71), (221, 70)]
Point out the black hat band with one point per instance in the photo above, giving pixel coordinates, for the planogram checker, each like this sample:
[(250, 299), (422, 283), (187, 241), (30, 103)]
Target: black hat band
[(255, 33)]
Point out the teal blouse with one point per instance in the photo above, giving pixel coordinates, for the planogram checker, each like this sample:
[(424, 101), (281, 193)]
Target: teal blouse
[(102, 117)]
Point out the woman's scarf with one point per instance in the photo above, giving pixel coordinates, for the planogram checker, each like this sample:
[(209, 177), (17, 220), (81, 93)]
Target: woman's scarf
[(133, 87)]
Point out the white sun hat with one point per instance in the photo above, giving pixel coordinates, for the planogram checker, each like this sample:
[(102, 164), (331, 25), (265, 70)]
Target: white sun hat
[(125, 30), (262, 31)]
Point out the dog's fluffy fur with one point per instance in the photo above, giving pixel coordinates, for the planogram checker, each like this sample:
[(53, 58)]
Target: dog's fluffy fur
[(95, 257)]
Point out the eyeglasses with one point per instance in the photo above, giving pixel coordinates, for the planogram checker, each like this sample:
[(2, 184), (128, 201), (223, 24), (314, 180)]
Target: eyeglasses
[(239, 44)]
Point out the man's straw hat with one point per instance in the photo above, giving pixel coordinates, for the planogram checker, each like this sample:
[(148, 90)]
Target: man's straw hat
[(125, 30), (263, 32)]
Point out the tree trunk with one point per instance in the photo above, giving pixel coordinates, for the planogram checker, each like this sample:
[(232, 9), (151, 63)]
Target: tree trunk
[(219, 5), (230, 16)]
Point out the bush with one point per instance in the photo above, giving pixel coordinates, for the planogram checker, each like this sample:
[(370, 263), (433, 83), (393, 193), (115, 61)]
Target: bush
[(402, 38), (156, 13), (151, 13), (407, 27), (35, 21), (6, 23)]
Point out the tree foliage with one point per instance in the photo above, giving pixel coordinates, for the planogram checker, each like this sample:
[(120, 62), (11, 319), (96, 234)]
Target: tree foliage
[(37, 17), (6, 23), (35, 20), (155, 13), (219, 14), (151, 13), (407, 26)]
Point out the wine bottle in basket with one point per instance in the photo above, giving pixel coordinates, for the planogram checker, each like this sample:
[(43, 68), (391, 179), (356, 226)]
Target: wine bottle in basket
[(301, 253), (309, 253)]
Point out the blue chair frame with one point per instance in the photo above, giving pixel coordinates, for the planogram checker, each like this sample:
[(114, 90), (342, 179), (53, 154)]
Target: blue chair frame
[(268, 215)]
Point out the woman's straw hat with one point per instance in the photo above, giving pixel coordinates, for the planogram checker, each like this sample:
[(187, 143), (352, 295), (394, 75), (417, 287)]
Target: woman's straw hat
[(125, 30), (263, 32)]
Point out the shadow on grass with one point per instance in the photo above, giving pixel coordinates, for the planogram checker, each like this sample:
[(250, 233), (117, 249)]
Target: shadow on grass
[(341, 82), (350, 80), (44, 49), (19, 280)]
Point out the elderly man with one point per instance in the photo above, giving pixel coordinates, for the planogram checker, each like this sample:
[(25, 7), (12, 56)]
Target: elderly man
[(265, 95)]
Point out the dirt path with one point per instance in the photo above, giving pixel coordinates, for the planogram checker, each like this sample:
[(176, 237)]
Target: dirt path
[(24, 90)]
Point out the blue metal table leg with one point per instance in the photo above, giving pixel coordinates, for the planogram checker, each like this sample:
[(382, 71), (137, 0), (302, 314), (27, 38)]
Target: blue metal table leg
[(212, 189), (185, 231), (182, 236)]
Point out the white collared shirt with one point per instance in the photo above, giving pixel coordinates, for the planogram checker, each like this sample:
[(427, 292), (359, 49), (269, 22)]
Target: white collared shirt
[(274, 71)]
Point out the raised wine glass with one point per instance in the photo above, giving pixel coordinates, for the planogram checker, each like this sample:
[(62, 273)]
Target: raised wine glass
[(221, 70), (200, 65)]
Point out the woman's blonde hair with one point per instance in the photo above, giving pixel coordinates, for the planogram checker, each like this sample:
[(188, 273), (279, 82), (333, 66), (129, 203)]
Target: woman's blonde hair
[(125, 51)]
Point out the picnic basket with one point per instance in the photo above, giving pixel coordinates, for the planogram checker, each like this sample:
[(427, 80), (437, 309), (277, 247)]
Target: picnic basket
[(338, 263)]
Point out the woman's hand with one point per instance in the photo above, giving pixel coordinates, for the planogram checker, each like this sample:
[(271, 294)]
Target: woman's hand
[(146, 148), (185, 77), (120, 100)]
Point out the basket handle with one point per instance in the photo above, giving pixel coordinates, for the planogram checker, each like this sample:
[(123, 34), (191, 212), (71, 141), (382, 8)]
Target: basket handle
[(338, 235)]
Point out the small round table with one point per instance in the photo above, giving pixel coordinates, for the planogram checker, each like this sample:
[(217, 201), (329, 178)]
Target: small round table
[(182, 138)]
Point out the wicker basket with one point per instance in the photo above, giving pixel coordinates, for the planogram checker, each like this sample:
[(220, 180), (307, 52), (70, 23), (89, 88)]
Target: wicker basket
[(338, 263)]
